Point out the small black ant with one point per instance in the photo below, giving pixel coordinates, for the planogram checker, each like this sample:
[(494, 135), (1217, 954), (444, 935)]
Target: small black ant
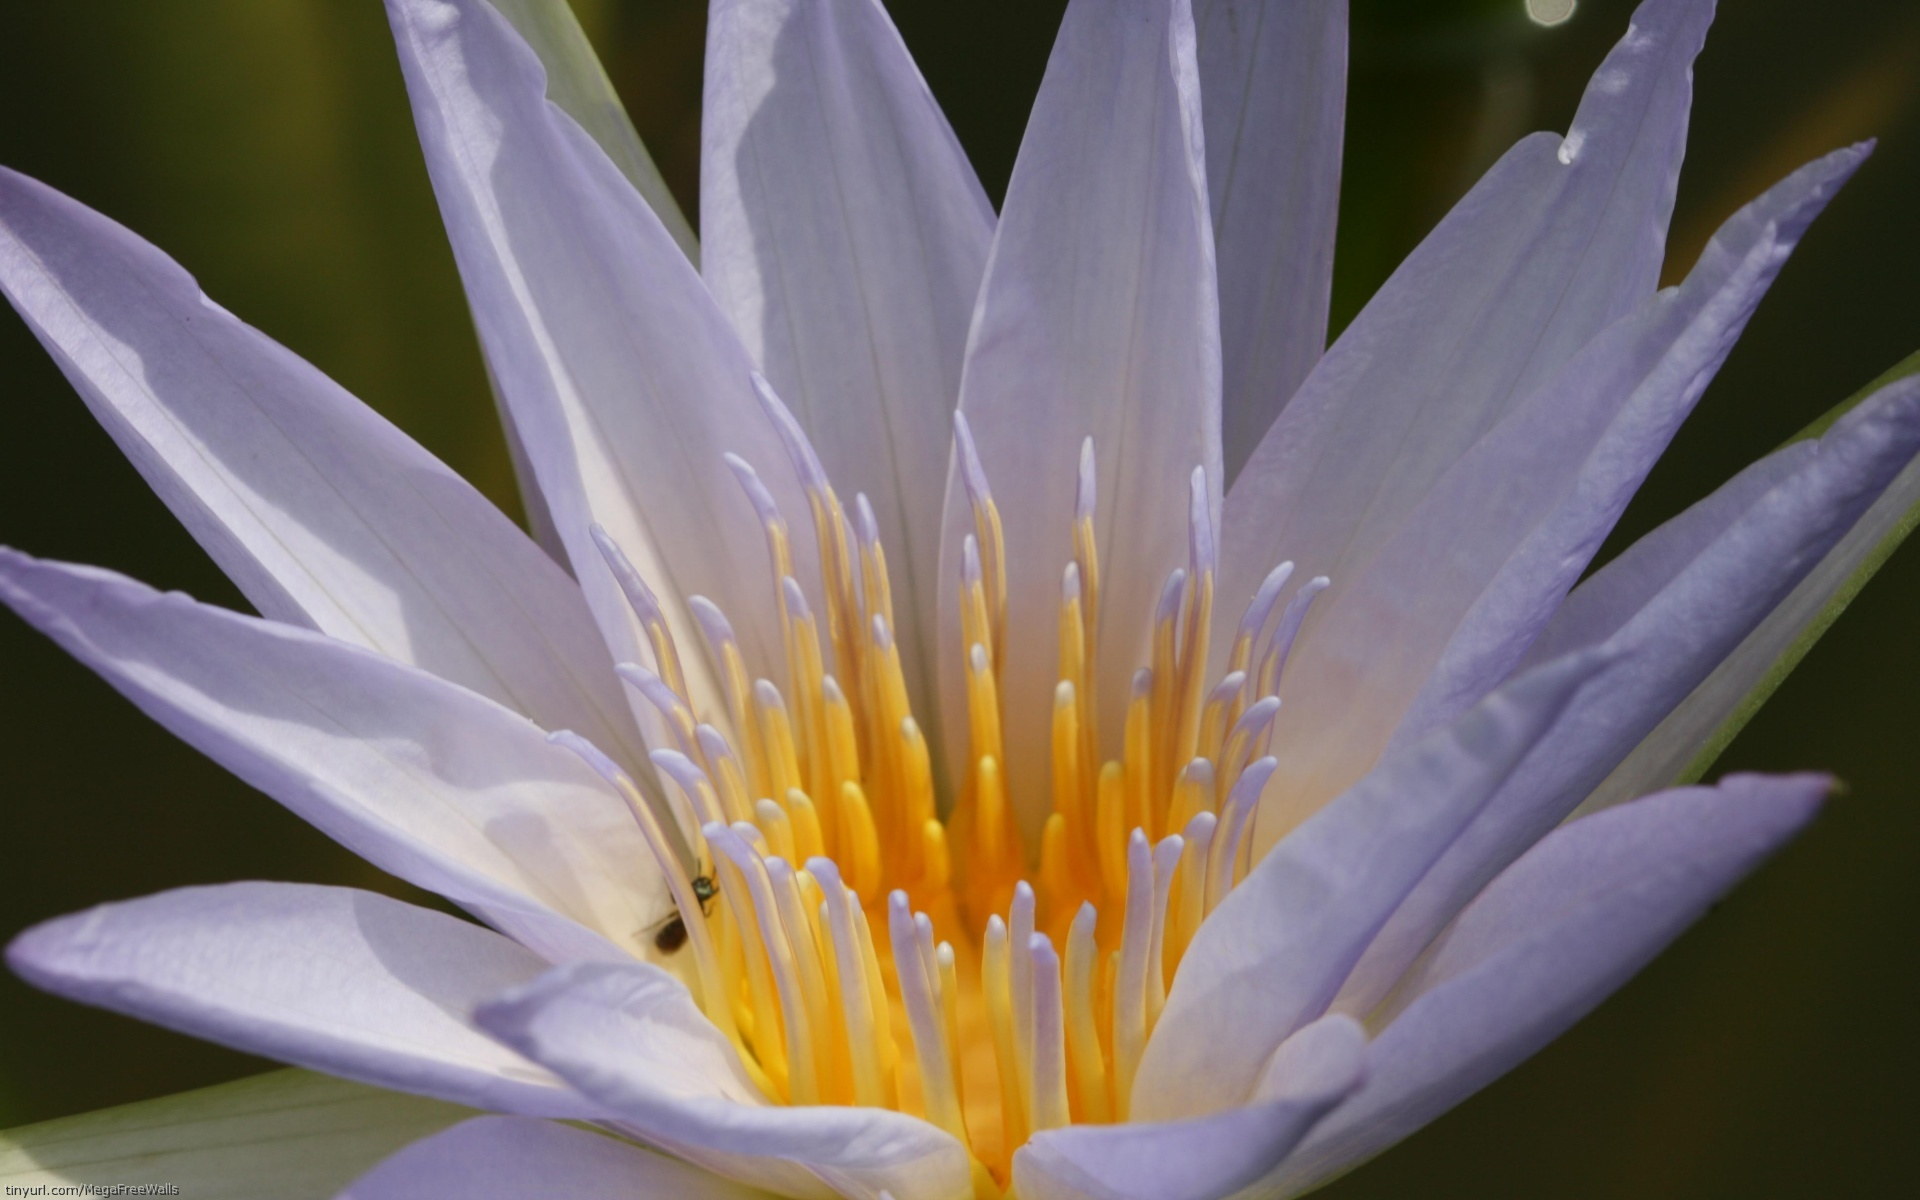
[(673, 931)]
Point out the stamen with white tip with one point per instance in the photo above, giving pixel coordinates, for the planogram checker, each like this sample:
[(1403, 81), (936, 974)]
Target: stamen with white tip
[(939, 1089), (1223, 864), (1274, 661), (664, 699), (793, 438), (1049, 1089), (646, 607), (679, 882), (1023, 1010), (991, 539)]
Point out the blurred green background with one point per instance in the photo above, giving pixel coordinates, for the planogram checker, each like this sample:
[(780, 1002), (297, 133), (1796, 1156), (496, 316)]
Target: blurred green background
[(267, 145)]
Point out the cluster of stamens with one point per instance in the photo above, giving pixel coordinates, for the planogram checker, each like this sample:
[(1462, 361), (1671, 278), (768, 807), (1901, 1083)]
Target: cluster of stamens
[(821, 821)]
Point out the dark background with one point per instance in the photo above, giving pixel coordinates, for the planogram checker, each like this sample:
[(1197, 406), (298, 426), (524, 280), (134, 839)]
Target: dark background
[(267, 145)]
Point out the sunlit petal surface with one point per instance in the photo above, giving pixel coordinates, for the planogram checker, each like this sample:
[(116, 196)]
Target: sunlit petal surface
[(1016, 717)]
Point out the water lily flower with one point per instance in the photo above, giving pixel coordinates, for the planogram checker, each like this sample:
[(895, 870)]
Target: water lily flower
[(993, 708)]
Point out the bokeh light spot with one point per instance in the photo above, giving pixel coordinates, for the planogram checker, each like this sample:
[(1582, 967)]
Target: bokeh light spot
[(1551, 12)]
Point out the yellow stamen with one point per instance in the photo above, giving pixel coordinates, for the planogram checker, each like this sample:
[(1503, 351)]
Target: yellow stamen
[(997, 984), (807, 841), (863, 842), (1049, 1090), (1083, 1043), (821, 812), (776, 730), (775, 826)]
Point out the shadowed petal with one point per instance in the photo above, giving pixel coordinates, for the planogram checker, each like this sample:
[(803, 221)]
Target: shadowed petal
[(334, 979), (1444, 612), (1560, 239), (845, 237), (1549, 939), (630, 1037), (1098, 318), (1204, 1158), (1691, 737), (431, 782), (625, 383), (323, 513), (1655, 364), (1271, 957), (1673, 608), (579, 85), (284, 1135), (1273, 89), (510, 1158)]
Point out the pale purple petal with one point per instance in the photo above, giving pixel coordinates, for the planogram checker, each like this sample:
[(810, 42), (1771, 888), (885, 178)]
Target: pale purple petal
[(1560, 239), (334, 979), (1202, 1158), (1654, 365), (625, 382), (428, 781), (1272, 956), (1448, 607), (1098, 317), (579, 85), (630, 1037), (1683, 745), (1672, 609), (1273, 89), (321, 511), (512, 1158), (845, 235), (1547, 941)]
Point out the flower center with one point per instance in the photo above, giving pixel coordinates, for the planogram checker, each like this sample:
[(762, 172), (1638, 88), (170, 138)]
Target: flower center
[(860, 947)]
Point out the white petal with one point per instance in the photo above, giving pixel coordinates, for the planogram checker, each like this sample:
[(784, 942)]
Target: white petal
[(1273, 88), (625, 382), (630, 1036), (323, 513), (1546, 942), (510, 1158), (433, 783), (1560, 239), (1271, 957), (845, 237), (1203, 1158), (1098, 318), (334, 979), (286, 1135), (1450, 605), (579, 85), (1672, 610)]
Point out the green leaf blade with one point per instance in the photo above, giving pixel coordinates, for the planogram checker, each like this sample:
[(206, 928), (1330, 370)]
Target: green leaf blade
[(285, 1135)]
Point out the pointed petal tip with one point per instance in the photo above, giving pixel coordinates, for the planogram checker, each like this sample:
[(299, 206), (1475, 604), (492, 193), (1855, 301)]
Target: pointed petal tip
[(32, 953)]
